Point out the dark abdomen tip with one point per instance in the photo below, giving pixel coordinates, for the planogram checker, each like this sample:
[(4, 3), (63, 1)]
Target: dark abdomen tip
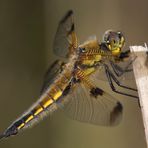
[(116, 114)]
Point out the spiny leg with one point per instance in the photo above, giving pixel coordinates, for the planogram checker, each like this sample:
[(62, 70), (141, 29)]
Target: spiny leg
[(119, 71), (118, 82), (112, 78)]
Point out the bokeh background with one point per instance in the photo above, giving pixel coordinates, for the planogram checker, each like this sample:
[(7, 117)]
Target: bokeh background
[(27, 30)]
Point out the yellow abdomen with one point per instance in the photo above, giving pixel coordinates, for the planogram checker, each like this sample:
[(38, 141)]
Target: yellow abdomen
[(47, 101)]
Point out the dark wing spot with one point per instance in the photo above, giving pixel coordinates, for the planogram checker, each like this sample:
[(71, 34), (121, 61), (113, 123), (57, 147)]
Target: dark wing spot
[(117, 111), (71, 29), (96, 91), (75, 80), (69, 13)]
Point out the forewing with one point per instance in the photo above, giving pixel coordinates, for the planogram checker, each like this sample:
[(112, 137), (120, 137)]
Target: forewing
[(127, 59), (128, 75), (65, 36), (54, 69)]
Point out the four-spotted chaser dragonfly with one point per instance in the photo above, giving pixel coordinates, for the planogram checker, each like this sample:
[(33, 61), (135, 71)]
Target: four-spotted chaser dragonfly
[(73, 85)]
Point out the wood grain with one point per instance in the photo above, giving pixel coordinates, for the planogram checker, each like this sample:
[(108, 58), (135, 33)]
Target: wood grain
[(141, 75)]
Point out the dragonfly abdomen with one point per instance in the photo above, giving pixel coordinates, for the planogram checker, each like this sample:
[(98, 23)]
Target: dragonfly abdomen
[(46, 104)]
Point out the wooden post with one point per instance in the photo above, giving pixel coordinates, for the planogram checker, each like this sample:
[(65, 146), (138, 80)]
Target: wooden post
[(141, 75)]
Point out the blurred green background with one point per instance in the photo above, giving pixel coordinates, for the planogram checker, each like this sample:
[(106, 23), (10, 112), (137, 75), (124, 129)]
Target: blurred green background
[(27, 30)]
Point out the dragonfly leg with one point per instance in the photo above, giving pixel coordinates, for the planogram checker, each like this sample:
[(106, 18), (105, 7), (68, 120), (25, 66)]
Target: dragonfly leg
[(119, 71), (111, 78)]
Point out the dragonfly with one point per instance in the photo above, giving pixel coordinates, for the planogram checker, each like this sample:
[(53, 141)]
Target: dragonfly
[(72, 84)]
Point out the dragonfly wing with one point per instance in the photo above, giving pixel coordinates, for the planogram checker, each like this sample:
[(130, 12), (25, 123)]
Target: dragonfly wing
[(64, 37), (128, 75), (80, 105), (126, 65), (54, 69), (100, 73), (103, 110)]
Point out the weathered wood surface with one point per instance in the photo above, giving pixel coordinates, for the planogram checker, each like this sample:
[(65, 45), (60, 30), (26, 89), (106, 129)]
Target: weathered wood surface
[(140, 67)]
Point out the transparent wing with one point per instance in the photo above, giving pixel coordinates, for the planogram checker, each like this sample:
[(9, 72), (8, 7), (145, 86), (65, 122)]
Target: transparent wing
[(80, 105), (65, 36), (120, 67), (128, 75), (54, 69), (104, 110), (124, 67)]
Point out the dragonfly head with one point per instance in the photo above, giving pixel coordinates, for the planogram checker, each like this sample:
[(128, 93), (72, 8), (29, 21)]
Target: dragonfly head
[(114, 40)]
